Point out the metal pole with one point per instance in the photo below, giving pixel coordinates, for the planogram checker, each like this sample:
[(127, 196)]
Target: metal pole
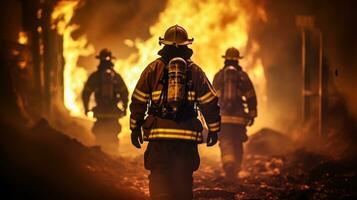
[(303, 66), (320, 83)]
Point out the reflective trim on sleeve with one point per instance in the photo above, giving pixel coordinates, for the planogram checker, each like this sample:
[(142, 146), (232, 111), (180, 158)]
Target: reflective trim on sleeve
[(141, 93), (141, 96), (233, 120), (207, 98), (166, 133), (214, 127), (132, 123), (155, 95)]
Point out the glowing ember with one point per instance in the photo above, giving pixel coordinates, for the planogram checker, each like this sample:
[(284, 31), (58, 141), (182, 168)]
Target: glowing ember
[(23, 38)]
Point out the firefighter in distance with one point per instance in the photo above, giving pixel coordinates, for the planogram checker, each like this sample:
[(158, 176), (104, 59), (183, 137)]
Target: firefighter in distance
[(110, 92), (238, 104)]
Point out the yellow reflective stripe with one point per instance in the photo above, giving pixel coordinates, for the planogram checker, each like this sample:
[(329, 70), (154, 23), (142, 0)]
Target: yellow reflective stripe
[(174, 136), (155, 98), (175, 133), (208, 97), (132, 123), (141, 93), (158, 92), (228, 158), (233, 120), (169, 130), (132, 120), (155, 95), (139, 97), (208, 94), (215, 129), (213, 124), (208, 100), (249, 94)]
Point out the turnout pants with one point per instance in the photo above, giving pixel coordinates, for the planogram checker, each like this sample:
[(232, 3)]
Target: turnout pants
[(231, 141), (106, 131), (171, 164)]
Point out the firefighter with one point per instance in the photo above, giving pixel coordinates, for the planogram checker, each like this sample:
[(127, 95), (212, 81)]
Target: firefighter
[(110, 92), (170, 90), (238, 104)]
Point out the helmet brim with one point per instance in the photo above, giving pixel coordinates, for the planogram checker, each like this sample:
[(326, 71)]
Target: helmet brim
[(232, 58), (165, 42)]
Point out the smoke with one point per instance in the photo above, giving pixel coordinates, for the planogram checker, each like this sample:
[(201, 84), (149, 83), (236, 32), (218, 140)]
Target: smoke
[(108, 23)]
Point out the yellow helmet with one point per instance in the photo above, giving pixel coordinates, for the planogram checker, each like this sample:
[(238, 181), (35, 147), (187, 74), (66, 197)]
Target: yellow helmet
[(175, 35), (232, 54)]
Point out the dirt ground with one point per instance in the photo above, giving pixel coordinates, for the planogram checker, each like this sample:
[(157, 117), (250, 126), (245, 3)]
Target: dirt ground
[(45, 164)]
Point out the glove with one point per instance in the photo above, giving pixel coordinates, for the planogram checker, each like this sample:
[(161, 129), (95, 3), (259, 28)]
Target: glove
[(136, 138), (251, 122), (212, 138)]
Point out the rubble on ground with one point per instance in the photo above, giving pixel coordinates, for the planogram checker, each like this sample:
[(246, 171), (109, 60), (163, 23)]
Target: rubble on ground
[(44, 164)]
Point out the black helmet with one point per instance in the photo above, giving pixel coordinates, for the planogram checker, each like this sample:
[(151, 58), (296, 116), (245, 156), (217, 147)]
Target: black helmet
[(232, 54), (105, 54)]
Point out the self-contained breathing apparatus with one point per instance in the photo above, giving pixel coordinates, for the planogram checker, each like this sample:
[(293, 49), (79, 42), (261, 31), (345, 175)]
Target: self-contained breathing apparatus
[(230, 88), (107, 98), (107, 85), (177, 82)]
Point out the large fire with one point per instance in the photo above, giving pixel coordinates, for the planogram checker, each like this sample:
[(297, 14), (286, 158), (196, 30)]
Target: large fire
[(214, 24), (73, 76)]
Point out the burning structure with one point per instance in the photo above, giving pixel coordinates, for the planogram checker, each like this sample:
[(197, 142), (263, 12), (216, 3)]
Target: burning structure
[(300, 55)]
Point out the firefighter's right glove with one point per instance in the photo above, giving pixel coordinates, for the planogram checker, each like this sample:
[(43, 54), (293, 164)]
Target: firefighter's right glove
[(136, 138), (212, 138)]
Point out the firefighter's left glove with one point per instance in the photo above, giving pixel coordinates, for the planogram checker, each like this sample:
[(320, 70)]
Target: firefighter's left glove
[(136, 138), (212, 138)]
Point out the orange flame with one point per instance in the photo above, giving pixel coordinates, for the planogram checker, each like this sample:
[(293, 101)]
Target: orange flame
[(74, 76), (215, 24)]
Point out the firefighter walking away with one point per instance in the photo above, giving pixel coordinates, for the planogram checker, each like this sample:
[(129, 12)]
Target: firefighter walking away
[(110, 92), (171, 89), (238, 109)]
